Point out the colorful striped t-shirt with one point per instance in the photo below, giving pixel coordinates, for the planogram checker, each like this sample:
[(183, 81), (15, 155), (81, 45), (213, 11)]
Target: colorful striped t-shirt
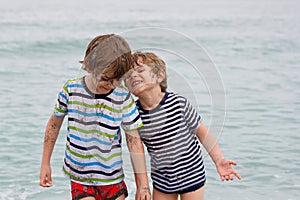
[(93, 153)]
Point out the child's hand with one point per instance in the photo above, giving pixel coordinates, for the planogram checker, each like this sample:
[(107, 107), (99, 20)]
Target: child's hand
[(143, 194), (225, 170), (45, 176)]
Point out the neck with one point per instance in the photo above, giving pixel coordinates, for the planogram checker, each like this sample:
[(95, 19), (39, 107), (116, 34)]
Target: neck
[(151, 99)]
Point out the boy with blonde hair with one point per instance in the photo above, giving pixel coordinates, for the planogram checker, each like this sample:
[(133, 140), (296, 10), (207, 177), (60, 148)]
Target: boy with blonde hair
[(172, 133)]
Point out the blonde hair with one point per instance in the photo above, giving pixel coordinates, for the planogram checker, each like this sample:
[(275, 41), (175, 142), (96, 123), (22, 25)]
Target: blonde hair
[(110, 53), (157, 64)]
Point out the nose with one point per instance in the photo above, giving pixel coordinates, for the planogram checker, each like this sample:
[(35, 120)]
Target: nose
[(110, 84), (132, 73)]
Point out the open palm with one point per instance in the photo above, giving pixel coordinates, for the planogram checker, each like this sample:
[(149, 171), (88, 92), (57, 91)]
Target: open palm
[(225, 170)]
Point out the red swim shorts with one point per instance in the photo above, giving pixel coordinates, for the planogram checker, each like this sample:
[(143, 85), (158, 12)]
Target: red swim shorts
[(103, 192)]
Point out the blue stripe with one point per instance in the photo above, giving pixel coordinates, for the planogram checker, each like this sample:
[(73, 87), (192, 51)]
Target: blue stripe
[(95, 115), (131, 113), (90, 140), (93, 163), (120, 93), (116, 137), (63, 96), (75, 85), (59, 115)]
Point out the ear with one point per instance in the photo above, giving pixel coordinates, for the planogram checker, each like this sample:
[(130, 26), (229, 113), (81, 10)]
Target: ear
[(139, 61), (161, 76), (85, 67)]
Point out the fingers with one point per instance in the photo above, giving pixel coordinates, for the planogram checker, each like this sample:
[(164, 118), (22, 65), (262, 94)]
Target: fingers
[(230, 177), (45, 182), (227, 177), (146, 197), (143, 195), (227, 172), (237, 175), (223, 178), (231, 162)]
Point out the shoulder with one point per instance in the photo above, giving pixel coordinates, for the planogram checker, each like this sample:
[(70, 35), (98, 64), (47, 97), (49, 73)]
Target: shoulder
[(73, 83), (121, 93), (176, 97)]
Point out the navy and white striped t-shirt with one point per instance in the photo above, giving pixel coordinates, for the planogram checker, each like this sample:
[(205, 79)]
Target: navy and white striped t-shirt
[(174, 149)]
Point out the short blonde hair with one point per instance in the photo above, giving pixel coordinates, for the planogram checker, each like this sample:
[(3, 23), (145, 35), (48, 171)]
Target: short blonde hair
[(110, 52), (157, 64)]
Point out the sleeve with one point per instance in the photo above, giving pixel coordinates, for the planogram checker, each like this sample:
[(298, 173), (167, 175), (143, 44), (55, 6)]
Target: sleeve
[(61, 106), (131, 119), (192, 118)]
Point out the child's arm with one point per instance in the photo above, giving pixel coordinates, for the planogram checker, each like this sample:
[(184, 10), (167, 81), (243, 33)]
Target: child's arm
[(136, 150), (51, 133), (223, 165)]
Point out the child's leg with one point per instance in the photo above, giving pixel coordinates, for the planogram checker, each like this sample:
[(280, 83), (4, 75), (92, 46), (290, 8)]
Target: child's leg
[(116, 191), (87, 198), (157, 195), (82, 192), (194, 195), (121, 197)]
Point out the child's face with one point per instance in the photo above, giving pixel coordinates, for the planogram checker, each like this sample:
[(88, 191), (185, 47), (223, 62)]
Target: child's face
[(103, 82), (140, 78)]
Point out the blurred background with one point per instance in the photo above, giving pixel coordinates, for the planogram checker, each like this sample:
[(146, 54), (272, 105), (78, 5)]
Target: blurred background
[(237, 61)]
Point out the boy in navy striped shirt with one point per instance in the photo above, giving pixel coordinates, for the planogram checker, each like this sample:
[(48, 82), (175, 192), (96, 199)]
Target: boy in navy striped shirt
[(172, 133)]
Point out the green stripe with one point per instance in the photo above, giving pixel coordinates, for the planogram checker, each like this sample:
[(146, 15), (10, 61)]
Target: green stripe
[(121, 86), (92, 179), (95, 106), (135, 128), (94, 155), (65, 89), (60, 110), (74, 80), (91, 131), (129, 105)]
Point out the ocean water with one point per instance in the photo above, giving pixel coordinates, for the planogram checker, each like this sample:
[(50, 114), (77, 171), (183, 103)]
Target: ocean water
[(238, 62)]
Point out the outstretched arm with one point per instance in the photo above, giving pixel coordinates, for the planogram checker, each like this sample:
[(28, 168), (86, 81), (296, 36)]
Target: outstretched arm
[(224, 166), (137, 155), (51, 133)]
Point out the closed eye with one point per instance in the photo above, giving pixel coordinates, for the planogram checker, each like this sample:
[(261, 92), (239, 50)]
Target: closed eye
[(140, 69)]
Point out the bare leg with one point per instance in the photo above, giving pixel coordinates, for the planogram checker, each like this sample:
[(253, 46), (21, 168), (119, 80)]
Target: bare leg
[(122, 197), (157, 195), (88, 198), (195, 195)]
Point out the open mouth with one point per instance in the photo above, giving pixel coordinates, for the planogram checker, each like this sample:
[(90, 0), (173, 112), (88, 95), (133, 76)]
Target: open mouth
[(105, 87), (135, 84)]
